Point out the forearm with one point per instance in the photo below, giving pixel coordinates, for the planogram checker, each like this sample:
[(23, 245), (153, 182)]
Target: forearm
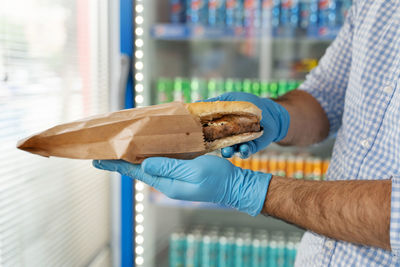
[(308, 121), (352, 211)]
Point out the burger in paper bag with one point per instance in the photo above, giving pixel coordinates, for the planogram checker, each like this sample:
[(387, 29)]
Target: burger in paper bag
[(227, 123)]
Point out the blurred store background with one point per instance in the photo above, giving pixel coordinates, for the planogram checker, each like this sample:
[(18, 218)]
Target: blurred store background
[(61, 60)]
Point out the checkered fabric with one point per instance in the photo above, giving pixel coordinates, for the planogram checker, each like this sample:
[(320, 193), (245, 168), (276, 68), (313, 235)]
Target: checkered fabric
[(357, 83)]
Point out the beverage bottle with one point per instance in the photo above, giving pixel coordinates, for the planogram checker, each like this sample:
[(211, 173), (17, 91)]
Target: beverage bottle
[(231, 6), (305, 12), (327, 13), (191, 250), (299, 168), (264, 163), (239, 251), (177, 11), (308, 168), (292, 85), (198, 89), (266, 16), (238, 85), (264, 89), (216, 13), (281, 165), (247, 86), (276, 15), (210, 249), (291, 248), (215, 87), (282, 87), (290, 166), (239, 14), (252, 13), (325, 166), (276, 252), (273, 164), (195, 94), (256, 88), (273, 89), (255, 163), (317, 169), (313, 23), (223, 252), (164, 90), (186, 90), (177, 250), (246, 163), (229, 85), (197, 12), (289, 17), (178, 89), (262, 258), (237, 161)]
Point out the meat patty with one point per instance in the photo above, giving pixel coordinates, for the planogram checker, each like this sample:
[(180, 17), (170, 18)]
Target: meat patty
[(230, 125)]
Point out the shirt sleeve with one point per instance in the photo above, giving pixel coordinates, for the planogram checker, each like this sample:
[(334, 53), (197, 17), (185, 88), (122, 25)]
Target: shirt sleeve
[(395, 216), (327, 83)]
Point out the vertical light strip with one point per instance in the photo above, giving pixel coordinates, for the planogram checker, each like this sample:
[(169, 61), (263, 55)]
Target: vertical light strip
[(139, 223), (139, 53), (139, 102)]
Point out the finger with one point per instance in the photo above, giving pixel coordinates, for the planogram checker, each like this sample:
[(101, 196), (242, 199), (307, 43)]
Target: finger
[(227, 152), (164, 167), (252, 146), (107, 165), (134, 171), (123, 167), (247, 149), (244, 151)]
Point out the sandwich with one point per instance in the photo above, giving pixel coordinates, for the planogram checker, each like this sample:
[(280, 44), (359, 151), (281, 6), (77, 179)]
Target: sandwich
[(174, 130), (226, 123)]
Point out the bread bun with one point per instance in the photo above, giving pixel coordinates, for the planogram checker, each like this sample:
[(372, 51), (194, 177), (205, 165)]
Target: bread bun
[(207, 111), (232, 140)]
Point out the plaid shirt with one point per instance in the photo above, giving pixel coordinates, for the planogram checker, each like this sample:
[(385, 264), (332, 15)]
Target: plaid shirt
[(357, 82)]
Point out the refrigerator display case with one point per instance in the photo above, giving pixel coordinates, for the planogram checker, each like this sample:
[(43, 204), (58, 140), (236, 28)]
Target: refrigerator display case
[(187, 50)]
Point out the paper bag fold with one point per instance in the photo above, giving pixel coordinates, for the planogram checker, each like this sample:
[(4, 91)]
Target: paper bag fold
[(134, 134)]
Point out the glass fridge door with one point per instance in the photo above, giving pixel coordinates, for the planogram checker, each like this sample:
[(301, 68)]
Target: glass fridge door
[(187, 50)]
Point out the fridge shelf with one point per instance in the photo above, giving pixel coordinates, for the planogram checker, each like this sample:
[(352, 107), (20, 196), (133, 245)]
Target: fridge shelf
[(176, 32)]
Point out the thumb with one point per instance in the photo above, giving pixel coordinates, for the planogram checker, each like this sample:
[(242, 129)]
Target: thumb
[(164, 167)]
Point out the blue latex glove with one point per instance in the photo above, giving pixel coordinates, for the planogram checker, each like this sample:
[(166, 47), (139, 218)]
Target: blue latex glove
[(206, 179), (275, 121)]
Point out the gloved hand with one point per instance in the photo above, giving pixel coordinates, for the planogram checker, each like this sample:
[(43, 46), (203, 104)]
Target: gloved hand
[(275, 121), (206, 178)]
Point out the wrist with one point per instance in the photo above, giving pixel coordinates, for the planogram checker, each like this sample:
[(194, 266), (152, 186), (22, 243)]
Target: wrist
[(283, 122), (253, 191)]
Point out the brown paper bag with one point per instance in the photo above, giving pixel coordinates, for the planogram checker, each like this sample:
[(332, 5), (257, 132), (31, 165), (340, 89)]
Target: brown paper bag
[(167, 130)]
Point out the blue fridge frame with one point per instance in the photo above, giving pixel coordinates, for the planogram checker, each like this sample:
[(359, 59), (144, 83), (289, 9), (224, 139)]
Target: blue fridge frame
[(127, 184)]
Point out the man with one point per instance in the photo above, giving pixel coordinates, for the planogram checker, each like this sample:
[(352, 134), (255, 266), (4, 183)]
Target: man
[(353, 218)]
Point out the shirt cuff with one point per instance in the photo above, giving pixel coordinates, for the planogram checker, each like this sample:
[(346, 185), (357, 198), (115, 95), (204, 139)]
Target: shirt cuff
[(330, 107), (395, 217)]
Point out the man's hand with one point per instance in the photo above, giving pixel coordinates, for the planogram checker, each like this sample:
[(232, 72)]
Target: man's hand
[(206, 178), (275, 122)]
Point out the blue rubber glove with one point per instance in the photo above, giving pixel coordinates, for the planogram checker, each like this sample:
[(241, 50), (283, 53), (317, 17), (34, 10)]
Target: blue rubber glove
[(275, 121), (206, 179)]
